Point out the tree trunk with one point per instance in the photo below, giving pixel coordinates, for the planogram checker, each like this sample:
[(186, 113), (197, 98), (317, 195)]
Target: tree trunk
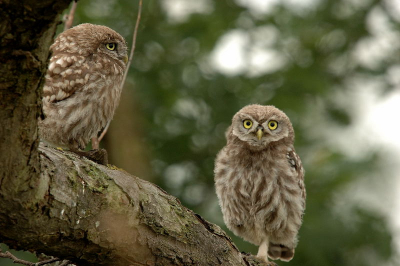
[(26, 32), (66, 206)]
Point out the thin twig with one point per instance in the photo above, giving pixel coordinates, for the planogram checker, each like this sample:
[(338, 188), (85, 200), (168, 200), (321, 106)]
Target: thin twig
[(96, 142), (133, 43), (102, 134), (9, 255), (44, 262), (70, 17)]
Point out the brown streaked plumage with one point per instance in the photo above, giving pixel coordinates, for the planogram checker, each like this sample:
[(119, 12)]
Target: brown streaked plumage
[(83, 85), (259, 181)]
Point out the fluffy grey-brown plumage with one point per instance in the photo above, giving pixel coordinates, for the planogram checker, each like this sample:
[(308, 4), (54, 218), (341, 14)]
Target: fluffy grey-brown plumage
[(259, 181), (83, 85)]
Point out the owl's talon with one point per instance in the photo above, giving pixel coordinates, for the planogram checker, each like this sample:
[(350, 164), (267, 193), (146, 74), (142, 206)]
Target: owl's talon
[(59, 148)]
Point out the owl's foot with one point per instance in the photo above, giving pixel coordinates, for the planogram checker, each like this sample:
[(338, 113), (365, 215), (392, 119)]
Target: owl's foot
[(99, 156), (281, 252)]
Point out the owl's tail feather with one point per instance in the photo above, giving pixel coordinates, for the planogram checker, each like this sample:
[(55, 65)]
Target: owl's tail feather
[(281, 252)]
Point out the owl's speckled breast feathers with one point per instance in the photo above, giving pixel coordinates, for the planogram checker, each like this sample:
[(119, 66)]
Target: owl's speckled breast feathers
[(259, 181), (83, 84)]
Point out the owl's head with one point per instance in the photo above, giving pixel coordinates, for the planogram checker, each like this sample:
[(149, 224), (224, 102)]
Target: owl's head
[(260, 125), (89, 39)]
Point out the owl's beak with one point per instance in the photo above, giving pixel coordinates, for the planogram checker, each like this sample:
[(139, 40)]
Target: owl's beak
[(260, 133), (125, 59)]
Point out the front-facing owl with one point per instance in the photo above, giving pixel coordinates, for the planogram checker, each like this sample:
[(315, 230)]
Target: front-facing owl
[(259, 181), (83, 85)]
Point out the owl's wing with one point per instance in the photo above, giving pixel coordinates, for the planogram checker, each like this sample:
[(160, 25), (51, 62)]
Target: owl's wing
[(66, 74), (295, 162)]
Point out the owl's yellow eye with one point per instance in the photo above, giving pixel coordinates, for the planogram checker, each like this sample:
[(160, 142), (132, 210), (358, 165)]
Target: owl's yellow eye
[(272, 124), (247, 123), (111, 46)]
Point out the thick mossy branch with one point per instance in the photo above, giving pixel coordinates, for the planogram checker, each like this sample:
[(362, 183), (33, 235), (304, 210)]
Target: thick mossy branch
[(93, 214)]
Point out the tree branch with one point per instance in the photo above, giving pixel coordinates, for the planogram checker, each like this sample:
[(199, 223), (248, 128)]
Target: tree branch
[(133, 42), (92, 214), (69, 19), (9, 255)]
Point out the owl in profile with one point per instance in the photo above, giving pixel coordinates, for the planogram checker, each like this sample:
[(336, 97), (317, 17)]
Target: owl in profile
[(259, 181), (83, 85)]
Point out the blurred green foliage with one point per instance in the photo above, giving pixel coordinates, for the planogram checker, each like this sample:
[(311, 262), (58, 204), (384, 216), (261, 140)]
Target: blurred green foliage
[(187, 104)]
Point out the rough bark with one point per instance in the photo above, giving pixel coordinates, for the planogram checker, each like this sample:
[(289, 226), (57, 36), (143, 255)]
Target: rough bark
[(96, 215), (26, 32)]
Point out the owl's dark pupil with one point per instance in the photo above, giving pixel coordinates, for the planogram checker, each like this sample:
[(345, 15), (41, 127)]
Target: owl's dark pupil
[(248, 123), (272, 124)]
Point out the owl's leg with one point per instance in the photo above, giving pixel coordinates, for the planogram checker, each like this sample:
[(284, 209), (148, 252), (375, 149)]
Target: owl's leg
[(263, 250)]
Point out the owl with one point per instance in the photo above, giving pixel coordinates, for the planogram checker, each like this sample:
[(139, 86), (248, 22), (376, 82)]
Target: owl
[(83, 85), (259, 181)]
